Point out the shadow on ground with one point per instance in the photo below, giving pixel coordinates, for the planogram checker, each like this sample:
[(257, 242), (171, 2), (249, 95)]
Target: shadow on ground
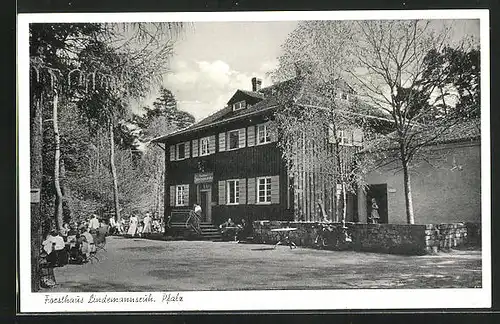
[(146, 265)]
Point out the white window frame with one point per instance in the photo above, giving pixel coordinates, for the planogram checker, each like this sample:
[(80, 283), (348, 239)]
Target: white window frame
[(205, 140), (267, 136), (183, 151), (343, 138), (179, 196), (236, 191), (228, 140), (267, 189), (239, 105)]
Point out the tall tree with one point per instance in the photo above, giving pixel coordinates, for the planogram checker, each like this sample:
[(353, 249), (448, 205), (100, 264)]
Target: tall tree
[(459, 89), (55, 56), (316, 103), (392, 73)]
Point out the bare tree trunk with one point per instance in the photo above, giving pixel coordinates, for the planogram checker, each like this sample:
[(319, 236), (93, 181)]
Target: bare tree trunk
[(408, 199), (344, 204), (68, 202), (57, 156), (113, 170), (36, 183), (340, 171)]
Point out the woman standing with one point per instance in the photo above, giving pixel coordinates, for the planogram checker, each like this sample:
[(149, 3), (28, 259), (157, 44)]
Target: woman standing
[(374, 214), (147, 225), (132, 226)]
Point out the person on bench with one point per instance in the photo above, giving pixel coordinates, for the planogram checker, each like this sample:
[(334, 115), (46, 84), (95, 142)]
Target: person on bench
[(228, 230), (54, 246), (193, 220), (245, 230)]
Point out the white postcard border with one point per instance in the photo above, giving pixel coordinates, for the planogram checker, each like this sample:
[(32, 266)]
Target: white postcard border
[(250, 300)]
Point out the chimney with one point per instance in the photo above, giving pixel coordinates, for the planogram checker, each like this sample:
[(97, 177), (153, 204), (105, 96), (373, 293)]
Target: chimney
[(256, 84)]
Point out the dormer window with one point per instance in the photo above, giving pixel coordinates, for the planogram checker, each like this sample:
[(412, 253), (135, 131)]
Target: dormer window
[(239, 105)]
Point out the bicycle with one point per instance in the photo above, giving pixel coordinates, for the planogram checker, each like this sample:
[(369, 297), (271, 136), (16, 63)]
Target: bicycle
[(321, 241), (332, 236)]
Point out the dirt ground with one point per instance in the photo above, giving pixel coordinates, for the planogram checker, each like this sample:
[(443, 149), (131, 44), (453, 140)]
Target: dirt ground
[(147, 265)]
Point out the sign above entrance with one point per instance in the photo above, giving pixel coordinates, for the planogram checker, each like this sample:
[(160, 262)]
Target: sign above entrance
[(203, 177)]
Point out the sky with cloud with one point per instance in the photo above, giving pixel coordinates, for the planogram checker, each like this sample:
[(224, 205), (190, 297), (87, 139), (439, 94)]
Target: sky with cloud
[(214, 59)]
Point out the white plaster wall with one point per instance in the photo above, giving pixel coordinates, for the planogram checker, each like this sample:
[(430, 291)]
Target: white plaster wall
[(447, 191)]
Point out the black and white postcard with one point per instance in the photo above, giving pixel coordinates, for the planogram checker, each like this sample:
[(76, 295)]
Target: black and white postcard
[(254, 161)]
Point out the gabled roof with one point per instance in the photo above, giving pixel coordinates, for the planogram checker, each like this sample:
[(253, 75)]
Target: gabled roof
[(254, 94), (227, 114), (266, 100), (251, 96)]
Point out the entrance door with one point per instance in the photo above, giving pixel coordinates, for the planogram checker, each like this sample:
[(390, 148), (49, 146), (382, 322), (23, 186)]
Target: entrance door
[(379, 192), (206, 204)]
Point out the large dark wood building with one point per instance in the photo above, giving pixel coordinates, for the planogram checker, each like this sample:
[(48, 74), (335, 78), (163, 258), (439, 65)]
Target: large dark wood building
[(230, 163)]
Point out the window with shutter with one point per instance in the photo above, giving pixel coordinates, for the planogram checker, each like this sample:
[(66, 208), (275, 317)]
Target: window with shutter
[(211, 144), (233, 138), (251, 136), (275, 190), (222, 142), (186, 150), (181, 151), (233, 192), (222, 192), (243, 191), (263, 134), (204, 146), (264, 187), (172, 152), (251, 191), (242, 138), (172, 196), (181, 195), (195, 148), (186, 195)]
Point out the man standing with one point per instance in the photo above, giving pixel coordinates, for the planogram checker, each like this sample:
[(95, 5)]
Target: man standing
[(93, 224), (112, 226)]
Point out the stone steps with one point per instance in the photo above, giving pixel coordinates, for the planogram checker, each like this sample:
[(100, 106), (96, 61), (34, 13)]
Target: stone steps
[(208, 232)]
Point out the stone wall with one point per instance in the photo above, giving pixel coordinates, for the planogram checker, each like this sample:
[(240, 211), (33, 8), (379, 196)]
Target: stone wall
[(447, 236), (388, 238), (381, 238)]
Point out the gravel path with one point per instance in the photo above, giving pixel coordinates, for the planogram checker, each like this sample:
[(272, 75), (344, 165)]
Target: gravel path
[(147, 265)]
